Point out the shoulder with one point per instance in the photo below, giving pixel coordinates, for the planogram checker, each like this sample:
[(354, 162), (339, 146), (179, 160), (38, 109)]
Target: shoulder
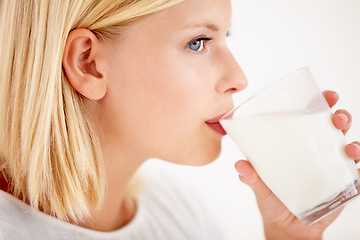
[(168, 208), (14, 217), (20, 221)]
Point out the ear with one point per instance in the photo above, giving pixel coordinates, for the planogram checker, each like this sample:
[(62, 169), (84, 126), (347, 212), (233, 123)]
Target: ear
[(79, 63)]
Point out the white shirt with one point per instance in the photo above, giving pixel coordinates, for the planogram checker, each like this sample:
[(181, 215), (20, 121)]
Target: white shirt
[(165, 210)]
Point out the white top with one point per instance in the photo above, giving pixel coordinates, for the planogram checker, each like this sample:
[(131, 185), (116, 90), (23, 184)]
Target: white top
[(165, 210)]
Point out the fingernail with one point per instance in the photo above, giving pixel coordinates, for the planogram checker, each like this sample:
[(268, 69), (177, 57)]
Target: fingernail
[(343, 116), (356, 146)]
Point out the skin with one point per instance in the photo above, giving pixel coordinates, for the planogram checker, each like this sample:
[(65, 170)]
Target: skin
[(150, 95)]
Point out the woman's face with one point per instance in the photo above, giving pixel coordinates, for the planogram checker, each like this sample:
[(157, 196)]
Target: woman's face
[(169, 76)]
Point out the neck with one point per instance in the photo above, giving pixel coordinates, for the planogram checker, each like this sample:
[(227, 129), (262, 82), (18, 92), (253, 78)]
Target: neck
[(119, 204), (121, 162)]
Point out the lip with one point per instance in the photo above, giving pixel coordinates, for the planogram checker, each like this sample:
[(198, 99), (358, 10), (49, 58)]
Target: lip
[(214, 124)]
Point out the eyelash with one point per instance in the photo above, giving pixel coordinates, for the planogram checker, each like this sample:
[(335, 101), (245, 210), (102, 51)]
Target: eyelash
[(202, 39)]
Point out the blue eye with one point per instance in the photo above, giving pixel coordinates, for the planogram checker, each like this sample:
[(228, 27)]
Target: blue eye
[(198, 44)]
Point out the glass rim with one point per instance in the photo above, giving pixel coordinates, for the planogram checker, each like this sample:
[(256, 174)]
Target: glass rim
[(267, 88)]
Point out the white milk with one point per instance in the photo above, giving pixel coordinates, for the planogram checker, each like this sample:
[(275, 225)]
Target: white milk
[(301, 157)]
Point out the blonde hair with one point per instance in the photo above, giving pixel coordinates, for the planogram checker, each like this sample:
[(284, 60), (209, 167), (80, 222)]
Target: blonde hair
[(48, 149)]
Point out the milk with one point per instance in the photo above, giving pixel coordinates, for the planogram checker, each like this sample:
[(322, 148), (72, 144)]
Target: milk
[(301, 157)]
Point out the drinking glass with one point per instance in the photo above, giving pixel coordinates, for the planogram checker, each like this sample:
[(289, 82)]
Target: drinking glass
[(286, 132)]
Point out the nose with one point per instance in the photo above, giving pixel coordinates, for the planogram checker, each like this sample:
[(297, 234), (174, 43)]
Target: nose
[(232, 79)]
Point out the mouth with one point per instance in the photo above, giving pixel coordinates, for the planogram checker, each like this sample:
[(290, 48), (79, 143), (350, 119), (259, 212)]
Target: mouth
[(214, 124)]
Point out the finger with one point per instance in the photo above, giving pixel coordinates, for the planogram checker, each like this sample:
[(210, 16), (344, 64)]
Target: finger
[(342, 120), (248, 175), (353, 151), (331, 97)]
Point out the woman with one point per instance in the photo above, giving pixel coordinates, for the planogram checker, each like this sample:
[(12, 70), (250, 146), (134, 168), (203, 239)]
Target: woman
[(92, 89)]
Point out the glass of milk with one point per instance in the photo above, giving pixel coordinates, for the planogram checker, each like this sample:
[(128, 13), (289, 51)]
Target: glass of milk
[(287, 134)]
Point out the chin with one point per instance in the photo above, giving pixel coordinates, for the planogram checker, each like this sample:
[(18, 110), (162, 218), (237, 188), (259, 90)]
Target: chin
[(208, 160), (203, 158), (194, 154)]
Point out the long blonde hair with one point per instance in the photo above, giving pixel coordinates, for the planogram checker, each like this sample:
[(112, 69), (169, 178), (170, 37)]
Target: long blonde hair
[(48, 149)]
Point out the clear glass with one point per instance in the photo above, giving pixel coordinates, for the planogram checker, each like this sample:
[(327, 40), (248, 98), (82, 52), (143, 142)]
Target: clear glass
[(287, 134)]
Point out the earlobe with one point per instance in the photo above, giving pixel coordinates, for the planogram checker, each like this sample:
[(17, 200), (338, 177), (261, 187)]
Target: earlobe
[(80, 64)]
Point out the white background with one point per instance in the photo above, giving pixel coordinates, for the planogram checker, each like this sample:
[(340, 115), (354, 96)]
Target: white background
[(269, 39)]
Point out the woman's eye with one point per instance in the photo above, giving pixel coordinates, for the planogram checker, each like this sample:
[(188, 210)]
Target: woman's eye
[(198, 44)]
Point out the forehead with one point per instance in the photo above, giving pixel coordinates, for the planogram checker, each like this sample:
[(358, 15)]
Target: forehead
[(184, 18), (198, 13)]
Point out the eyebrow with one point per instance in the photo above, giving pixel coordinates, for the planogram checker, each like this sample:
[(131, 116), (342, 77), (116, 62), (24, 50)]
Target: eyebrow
[(210, 26)]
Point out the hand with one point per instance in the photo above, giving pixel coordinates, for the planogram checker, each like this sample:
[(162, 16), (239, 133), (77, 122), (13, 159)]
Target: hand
[(279, 222)]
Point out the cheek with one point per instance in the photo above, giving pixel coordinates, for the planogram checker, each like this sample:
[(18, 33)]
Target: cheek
[(175, 101), (177, 88)]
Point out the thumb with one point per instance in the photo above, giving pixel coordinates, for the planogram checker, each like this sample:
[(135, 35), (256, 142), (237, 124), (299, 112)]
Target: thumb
[(248, 175), (269, 205)]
